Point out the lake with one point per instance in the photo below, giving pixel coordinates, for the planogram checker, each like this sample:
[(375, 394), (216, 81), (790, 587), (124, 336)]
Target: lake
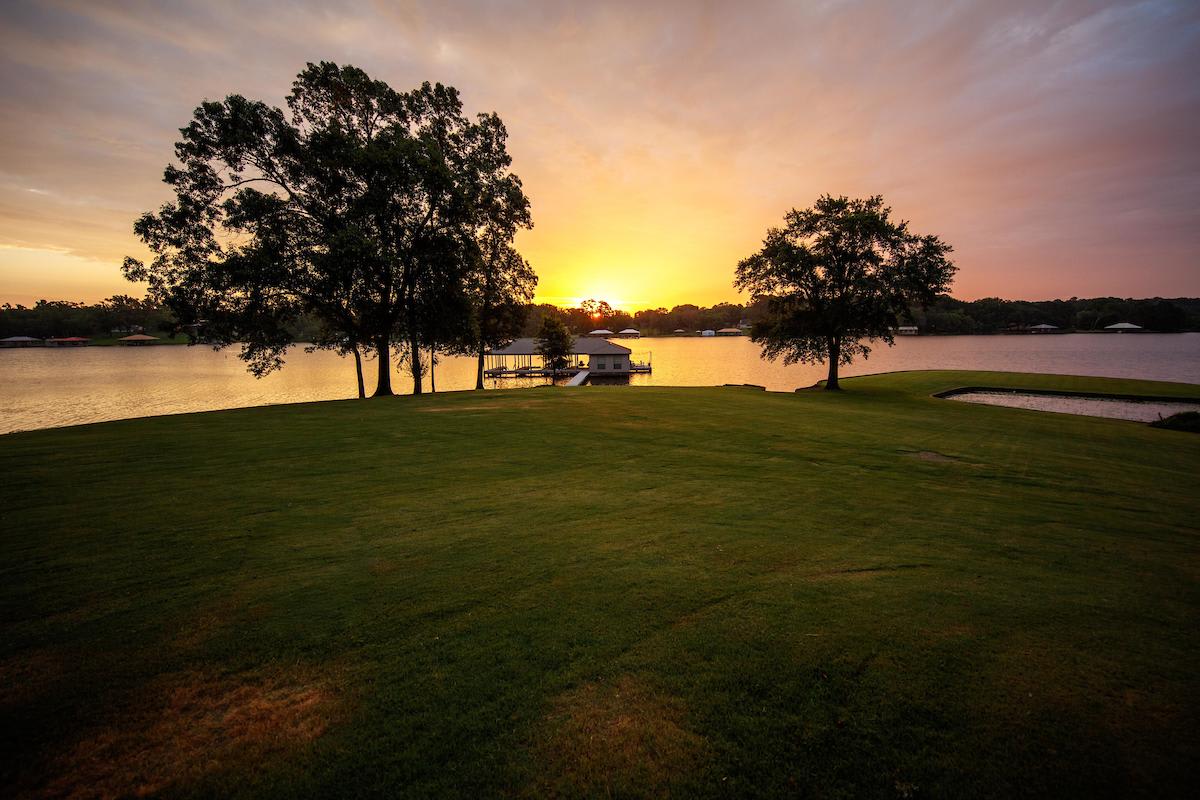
[(42, 387)]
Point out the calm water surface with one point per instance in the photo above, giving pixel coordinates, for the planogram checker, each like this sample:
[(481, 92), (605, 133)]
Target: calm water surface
[(1135, 410), (42, 388)]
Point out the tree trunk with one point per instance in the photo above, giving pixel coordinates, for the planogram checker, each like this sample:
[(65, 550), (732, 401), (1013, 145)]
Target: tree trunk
[(835, 355), (383, 348), (485, 316), (415, 362), (362, 391), (432, 364)]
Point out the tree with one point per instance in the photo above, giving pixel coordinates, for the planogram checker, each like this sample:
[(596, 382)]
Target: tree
[(501, 282), (598, 310), (555, 344), (504, 287), (837, 277), (357, 206)]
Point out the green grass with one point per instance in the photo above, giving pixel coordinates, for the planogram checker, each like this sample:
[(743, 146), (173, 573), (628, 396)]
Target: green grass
[(606, 591)]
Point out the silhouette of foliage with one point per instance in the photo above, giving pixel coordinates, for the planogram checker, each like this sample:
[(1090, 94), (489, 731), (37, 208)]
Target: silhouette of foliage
[(838, 276), (555, 343), (358, 205)]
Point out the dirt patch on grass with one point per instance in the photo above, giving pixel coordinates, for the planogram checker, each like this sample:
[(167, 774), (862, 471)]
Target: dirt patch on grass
[(192, 724), (618, 738)]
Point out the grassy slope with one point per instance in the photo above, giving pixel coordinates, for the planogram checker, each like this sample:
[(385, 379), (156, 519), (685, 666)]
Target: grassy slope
[(606, 590)]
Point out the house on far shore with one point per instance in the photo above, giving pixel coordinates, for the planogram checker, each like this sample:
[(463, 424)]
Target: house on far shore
[(138, 339), (601, 333), (68, 341), (729, 332), (630, 333), (21, 341), (1122, 327), (907, 330), (709, 332)]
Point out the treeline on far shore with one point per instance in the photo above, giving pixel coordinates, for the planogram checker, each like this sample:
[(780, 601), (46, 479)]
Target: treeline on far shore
[(122, 314)]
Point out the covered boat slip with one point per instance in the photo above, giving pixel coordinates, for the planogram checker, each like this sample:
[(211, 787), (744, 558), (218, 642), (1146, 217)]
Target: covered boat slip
[(597, 356)]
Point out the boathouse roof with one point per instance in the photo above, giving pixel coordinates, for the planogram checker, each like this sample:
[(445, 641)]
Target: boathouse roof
[(527, 346)]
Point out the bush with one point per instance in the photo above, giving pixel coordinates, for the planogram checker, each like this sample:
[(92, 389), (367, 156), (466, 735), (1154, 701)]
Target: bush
[(1184, 421)]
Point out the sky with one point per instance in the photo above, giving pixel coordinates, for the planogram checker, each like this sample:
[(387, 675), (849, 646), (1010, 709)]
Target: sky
[(1055, 145)]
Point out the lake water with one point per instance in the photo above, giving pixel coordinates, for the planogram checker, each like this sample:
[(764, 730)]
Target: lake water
[(1134, 410), (42, 388)]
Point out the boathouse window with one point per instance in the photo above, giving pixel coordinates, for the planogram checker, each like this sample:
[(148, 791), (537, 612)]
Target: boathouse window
[(600, 364)]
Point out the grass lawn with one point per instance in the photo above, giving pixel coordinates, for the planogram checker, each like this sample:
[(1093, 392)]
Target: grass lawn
[(606, 591)]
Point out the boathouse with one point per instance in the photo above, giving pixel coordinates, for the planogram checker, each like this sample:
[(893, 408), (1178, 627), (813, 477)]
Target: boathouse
[(600, 333), (596, 355), (68, 341), (138, 339), (20, 341)]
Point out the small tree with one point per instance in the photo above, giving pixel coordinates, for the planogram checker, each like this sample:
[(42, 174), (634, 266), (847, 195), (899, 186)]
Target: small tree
[(837, 277), (555, 343)]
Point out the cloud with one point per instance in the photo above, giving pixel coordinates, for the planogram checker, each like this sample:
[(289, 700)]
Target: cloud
[(1052, 144)]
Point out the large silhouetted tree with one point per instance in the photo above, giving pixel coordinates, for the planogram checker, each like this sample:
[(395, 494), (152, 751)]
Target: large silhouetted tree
[(838, 276), (358, 205)]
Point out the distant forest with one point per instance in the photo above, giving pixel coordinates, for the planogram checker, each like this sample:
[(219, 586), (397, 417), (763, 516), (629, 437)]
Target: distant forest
[(122, 314)]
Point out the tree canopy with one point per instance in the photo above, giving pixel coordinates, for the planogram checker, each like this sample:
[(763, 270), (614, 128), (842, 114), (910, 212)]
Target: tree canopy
[(503, 289), (838, 276), (555, 343), (360, 205)]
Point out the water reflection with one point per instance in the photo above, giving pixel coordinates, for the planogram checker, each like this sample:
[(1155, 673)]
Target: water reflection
[(50, 387)]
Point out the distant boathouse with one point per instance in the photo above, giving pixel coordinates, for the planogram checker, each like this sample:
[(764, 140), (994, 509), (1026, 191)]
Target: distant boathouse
[(594, 355)]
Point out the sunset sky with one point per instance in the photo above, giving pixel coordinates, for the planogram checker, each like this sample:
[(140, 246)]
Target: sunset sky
[(1056, 145)]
